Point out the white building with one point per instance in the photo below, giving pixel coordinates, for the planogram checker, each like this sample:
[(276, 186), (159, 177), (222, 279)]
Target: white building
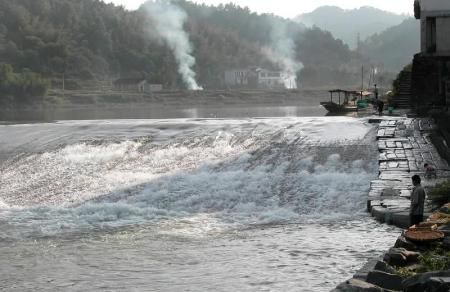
[(258, 78), (240, 77), (271, 79), (431, 67), (434, 17), (136, 85)]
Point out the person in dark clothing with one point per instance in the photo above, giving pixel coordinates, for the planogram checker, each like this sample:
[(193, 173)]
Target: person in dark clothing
[(376, 92), (417, 201), (380, 105)]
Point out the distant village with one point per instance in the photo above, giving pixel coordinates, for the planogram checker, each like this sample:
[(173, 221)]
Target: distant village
[(247, 78)]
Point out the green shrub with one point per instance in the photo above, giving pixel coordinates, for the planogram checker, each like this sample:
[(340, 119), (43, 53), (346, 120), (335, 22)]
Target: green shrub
[(440, 193), (20, 88), (436, 259)]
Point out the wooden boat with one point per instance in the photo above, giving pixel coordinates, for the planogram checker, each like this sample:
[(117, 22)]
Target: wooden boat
[(347, 101), (333, 107)]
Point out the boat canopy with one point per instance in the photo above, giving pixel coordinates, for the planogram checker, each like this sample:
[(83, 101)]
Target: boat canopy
[(347, 94), (351, 92)]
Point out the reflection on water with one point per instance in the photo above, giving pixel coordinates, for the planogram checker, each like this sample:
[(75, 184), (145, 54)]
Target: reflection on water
[(273, 258), (162, 112)]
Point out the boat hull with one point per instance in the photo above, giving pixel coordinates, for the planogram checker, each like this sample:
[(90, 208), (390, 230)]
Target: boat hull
[(338, 108)]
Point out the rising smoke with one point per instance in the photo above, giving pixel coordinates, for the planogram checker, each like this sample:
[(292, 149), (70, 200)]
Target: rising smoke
[(169, 21), (282, 52)]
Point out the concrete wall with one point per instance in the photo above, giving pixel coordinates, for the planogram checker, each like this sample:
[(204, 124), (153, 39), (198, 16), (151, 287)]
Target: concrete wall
[(435, 5), (442, 30), (443, 35)]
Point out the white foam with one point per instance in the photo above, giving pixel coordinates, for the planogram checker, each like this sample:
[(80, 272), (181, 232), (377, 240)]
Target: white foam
[(3, 205), (265, 173)]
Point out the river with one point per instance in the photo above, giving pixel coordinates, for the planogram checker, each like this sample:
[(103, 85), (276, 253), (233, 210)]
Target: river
[(267, 202)]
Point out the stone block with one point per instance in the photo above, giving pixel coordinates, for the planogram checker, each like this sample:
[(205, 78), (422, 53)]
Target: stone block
[(393, 164), (426, 281), (439, 284), (401, 218), (355, 285), (395, 257), (402, 242), (385, 280), (379, 213), (384, 267)]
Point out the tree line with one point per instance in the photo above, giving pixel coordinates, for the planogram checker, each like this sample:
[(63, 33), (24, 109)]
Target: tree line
[(88, 40)]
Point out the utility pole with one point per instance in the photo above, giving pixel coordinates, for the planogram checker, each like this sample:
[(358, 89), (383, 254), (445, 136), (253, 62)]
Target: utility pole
[(63, 86), (362, 78)]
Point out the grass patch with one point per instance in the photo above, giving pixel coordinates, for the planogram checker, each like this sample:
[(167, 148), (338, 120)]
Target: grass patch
[(440, 193), (435, 259)]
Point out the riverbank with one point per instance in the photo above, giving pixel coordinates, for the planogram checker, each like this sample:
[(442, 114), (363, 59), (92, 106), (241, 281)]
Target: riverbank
[(91, 105), (404, 145), (99, 97)]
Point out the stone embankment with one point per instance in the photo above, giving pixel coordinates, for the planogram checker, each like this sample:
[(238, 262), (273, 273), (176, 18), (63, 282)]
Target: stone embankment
[(404, 145)]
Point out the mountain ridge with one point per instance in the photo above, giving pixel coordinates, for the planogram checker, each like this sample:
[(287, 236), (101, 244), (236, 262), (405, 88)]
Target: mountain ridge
[(348, 24)]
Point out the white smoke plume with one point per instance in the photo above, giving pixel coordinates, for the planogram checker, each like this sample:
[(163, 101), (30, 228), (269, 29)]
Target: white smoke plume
[(282, 52), (169, 20)]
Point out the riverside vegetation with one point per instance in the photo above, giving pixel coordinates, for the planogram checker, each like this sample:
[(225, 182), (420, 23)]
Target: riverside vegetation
[(21, 88)]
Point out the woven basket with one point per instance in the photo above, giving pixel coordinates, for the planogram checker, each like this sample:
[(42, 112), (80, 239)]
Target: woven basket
[(423, 226), (424, 235)]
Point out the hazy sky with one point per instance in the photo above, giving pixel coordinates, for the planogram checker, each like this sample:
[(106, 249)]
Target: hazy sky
[(290, 8)]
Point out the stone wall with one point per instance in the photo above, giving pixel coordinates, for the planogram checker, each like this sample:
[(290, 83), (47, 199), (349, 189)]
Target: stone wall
[(430, 76)]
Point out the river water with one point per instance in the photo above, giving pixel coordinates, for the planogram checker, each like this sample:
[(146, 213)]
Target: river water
[(244, 204)]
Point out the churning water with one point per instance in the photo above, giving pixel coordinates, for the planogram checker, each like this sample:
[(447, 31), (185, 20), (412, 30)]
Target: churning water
[(187, 205)]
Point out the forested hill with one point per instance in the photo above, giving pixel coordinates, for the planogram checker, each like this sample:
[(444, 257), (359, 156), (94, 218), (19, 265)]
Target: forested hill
[(88, 39), (348, 24), (395, 46)]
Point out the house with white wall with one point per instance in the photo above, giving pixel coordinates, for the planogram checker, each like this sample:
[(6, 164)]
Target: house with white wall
[(136, 85), (256, 77)]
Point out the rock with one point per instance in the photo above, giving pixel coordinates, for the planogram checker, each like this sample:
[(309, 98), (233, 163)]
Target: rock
[(439, 284), (411, 256), (384, 267), (400, 257), (385, 280), (446, 242), (402, 242), (428, 282), (395, 258), (362, 273), (355, 285)]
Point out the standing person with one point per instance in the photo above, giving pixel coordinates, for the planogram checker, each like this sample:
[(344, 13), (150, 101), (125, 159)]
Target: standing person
[(417, 201), (376, 92), (380, 105)]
